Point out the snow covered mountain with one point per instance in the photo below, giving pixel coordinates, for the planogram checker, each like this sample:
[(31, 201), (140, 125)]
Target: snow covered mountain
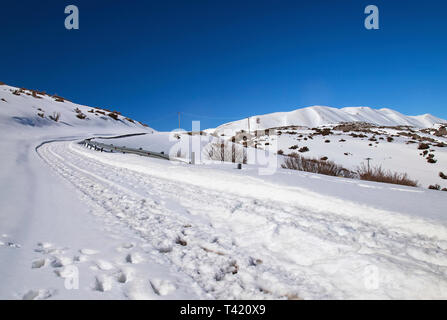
[(316, 116)]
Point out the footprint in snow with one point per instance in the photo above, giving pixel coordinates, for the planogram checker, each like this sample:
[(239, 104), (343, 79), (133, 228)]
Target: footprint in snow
[(103, 283), (59, 262), (162, 287), (39, 294), (104, 265), (124, 275), (80, 258), (134, 258), (39, 263), (88, 252), (48, 248)]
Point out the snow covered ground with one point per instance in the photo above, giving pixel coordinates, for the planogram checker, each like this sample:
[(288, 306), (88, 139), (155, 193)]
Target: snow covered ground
[(132, 227)]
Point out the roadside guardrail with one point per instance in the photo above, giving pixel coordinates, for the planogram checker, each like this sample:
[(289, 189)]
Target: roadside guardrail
[(98, 146)]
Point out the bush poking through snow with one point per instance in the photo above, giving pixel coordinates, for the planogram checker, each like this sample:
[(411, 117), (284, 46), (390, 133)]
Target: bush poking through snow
[(113, 115), (56, 116), (58, 99), (423, 146), (280, 152), (225, 151), (79, 114), (378, 174), (303, 149), (434, 187), (389, 139), (181, 242), (442, 175), (297, 162), (34, 94)]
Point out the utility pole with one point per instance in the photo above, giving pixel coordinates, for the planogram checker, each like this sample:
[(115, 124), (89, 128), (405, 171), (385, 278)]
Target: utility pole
[(178, 119), (367, 159)]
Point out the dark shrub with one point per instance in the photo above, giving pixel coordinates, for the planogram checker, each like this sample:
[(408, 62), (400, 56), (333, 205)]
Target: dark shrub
[(423, 146), (389, 139), (58, 99), (442, 175), (327, 141), (434, 187), (431, 160), (323, 158), (113, 115), (280, 152), (303, 149), (297, 162), (379, 175), (293, 147), (34, 94)]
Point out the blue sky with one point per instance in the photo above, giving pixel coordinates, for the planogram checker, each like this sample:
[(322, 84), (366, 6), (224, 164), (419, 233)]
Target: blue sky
[(219, 61)]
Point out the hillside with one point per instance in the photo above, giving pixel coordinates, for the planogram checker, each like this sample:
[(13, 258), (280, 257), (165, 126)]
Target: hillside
[(22, 108), (415, 145)]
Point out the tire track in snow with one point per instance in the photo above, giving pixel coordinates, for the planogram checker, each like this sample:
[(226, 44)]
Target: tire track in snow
[(239, 247)]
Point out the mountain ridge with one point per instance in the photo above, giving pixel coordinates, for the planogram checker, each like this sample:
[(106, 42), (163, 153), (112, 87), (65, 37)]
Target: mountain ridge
[(315, 116)]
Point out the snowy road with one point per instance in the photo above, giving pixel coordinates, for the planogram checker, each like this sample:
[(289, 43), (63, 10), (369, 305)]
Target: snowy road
[(239, 246)]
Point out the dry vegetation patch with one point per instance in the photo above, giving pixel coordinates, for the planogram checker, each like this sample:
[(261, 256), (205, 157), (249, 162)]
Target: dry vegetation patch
[(378, 174), (297, 162)]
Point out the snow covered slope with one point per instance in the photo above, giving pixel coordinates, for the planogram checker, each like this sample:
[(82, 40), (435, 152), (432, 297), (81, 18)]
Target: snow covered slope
[(21, 108), (318, 115)]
